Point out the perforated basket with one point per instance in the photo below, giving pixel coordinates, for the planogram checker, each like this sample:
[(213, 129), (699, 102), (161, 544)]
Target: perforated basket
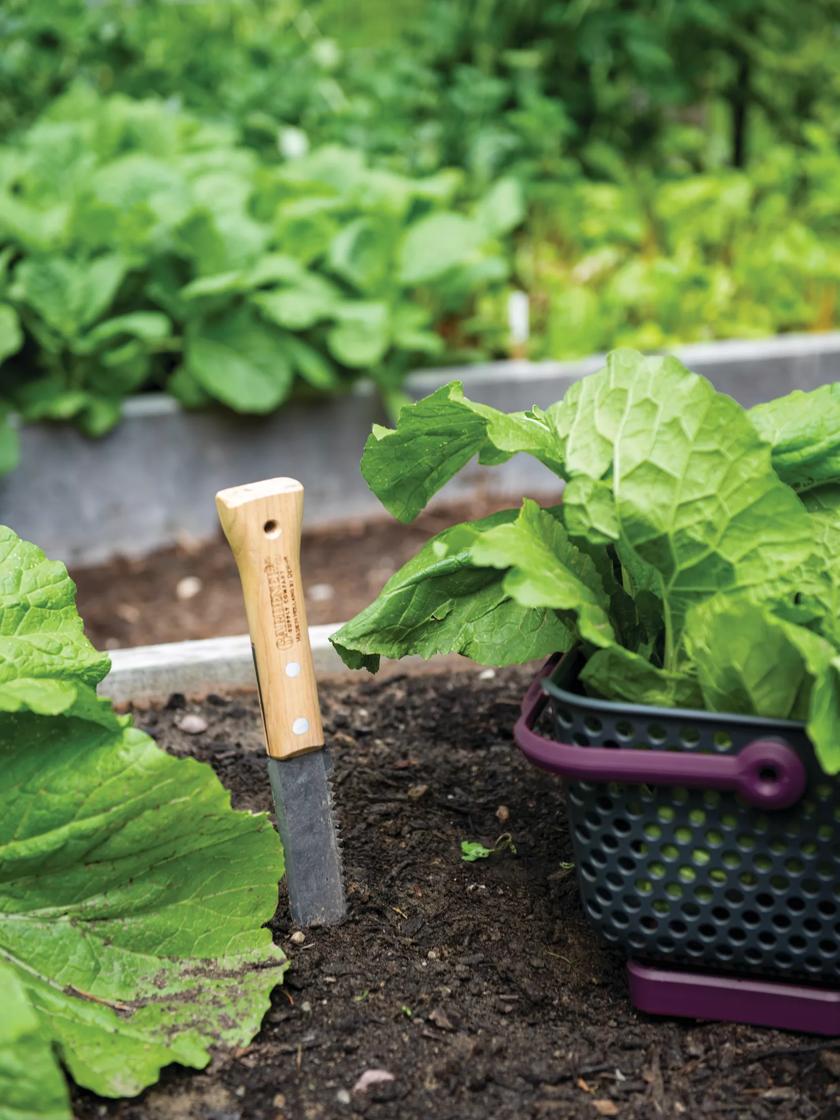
[(702, 840)]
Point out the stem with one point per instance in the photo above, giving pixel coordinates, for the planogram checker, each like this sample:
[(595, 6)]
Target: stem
[(669, 655)]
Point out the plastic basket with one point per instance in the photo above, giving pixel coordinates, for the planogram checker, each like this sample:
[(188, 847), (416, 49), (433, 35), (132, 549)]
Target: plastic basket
[(703, 841)]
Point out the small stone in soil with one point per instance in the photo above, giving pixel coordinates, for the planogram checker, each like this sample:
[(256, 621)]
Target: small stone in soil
[(127, 612), (372, 1077), (191, 724), (298, 937), (503, 814), (321, 592), (188, 587), (441, 1020)]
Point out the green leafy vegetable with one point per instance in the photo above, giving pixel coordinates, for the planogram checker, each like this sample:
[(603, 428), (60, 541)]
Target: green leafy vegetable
[(473, 850), (443, 602), (804, 432), (173, 256), (31, 1084), (436, 437), (682, 560), (132, 896)]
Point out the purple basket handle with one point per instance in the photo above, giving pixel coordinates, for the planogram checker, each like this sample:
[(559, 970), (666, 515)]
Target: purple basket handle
[(766, 773)]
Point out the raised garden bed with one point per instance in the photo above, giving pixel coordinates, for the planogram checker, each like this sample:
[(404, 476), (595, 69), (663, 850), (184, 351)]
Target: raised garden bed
[(151, 599), (148, 483), (478, 986)]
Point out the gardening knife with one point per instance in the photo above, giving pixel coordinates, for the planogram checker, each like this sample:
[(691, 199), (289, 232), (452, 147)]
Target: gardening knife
[(262, 522)]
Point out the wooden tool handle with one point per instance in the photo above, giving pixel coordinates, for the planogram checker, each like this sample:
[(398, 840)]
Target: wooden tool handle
[(262, 524)]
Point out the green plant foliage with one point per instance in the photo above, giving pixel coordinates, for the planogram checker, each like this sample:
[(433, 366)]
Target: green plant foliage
[(655, 261), (30, 1081), (474, 850), (491, 87), (283, 217), (682, 561), (133, 897), (441, 602), (148, 249)]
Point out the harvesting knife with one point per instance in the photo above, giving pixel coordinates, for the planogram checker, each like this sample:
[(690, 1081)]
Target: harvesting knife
[(262, 522)]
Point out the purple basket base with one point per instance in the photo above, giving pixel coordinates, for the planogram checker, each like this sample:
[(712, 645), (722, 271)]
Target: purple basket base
[(762, 1003)]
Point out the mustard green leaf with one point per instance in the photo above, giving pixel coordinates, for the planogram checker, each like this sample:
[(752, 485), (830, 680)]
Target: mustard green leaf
[(441, 602), (744, 658), (42, 642), (822, 723), (31, 1084), (803, 430), (239, 359), (545, 569), (361, 334), (132, 897), (696, 497), (68, 294), (589, 510), (616, 673), (435, 244), (821, 587), (436, 437)]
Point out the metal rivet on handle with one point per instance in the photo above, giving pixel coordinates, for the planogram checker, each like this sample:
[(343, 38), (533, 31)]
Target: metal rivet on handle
[(300, 726)]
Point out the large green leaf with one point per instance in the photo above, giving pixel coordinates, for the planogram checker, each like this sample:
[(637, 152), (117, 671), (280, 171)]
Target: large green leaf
[(31, 1085), (312, 365), (744, 658), (132, 897), (436, 437), (44, 654), (361, 335), (697, 501), (544, 569), (804, 432), (437, 243), (301, 306), (68, 294), (820, 583), (822, 662), (362, 253), (616, 673), (440, 602), (502, 209), (148, 326), (240, 360)]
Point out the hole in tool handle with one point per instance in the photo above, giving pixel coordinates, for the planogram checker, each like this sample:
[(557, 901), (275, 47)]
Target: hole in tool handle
[(272, 529)]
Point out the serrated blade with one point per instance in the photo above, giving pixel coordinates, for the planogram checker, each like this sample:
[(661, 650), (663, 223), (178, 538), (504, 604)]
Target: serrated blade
[(312, 850)]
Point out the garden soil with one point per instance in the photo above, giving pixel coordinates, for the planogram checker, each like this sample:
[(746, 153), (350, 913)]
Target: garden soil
[(192, 591), (476, 987)]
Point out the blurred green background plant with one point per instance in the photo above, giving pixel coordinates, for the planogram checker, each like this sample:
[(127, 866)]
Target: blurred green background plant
[(240, 200)]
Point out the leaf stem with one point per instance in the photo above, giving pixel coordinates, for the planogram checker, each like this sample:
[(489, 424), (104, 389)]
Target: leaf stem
[(669, 655)]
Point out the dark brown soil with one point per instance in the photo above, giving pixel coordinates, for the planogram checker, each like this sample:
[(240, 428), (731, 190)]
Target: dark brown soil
[(478, 986), (145, 601)]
